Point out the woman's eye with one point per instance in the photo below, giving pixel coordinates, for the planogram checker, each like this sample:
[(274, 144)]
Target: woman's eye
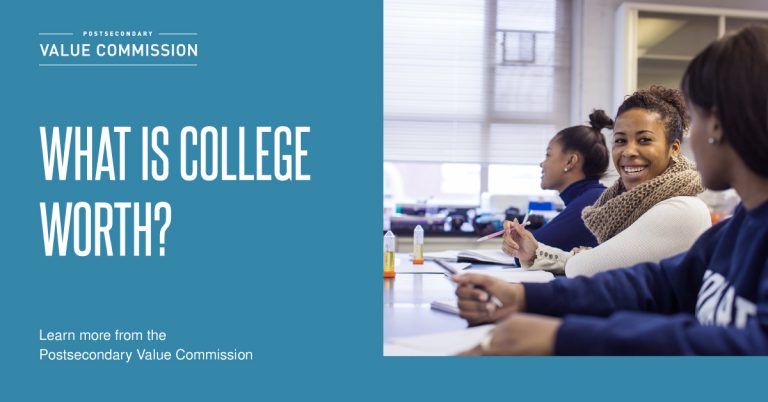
[(644, 140), (619, 141)]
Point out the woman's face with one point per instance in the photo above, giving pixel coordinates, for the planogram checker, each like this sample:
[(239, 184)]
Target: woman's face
[(709, 158), (553, 176), (640, 147)]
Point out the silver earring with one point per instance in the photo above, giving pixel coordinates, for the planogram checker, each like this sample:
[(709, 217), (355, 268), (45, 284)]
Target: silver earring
[(711, 141), (565, 170)]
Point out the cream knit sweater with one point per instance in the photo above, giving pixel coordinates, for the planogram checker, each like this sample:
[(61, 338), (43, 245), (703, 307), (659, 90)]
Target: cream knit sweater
[(668, 228)]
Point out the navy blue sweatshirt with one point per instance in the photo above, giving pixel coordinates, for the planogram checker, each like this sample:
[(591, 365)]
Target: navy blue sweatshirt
[(711, 300), (567, 229)]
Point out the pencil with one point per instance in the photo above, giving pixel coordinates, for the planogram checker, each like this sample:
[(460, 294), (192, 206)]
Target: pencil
[(501, 232)]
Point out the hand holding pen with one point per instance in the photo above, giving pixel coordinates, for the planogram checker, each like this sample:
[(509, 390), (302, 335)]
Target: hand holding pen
[(476, 293), (455, 273), (518, 242), (526, 222)]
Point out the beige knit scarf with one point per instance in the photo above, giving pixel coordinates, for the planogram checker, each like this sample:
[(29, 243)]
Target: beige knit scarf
[(618, 208)]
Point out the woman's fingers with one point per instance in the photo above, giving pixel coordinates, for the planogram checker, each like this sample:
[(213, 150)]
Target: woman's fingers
[(476, 308), (519, 229), (470, 293), (510, 250)]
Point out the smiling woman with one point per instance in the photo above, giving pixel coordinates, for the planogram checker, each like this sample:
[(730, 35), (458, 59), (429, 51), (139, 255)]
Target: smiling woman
[(647, 135), (651, 212), (640, 151)]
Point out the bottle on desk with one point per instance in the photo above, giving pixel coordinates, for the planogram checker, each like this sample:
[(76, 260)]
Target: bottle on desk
[(389, 255), (418, 245)]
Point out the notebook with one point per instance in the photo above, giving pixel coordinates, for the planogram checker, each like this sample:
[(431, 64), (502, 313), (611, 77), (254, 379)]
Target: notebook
[(446, 306), (488, 256)]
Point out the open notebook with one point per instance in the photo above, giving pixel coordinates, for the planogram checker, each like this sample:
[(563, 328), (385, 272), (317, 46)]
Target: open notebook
[(488, 256)]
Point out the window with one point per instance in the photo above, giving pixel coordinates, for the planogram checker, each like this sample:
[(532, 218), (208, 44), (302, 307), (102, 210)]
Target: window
[(432, 183), (516, 179), (469, 86)]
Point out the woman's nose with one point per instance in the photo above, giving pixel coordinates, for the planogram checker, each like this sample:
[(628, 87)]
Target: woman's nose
[(629, 150)]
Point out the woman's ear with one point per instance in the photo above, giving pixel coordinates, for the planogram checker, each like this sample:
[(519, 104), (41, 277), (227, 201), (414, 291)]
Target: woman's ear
[(674, 149), (715, 128), (573, 160)]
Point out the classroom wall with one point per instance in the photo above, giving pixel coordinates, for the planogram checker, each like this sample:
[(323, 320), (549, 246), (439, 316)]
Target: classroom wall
[(593, 48), (592, 57)]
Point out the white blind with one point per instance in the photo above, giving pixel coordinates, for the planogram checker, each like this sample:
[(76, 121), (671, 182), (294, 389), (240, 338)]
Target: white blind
[(474, 81)]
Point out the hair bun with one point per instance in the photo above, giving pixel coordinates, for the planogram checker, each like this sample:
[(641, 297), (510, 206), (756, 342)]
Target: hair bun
[(675, 98), (599, 120)]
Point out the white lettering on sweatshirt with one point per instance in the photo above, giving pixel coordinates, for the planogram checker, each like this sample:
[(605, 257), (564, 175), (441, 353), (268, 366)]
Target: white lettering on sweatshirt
[(717, 303)]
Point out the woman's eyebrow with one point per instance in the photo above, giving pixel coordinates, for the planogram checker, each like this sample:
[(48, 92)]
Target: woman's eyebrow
[(636, 132)]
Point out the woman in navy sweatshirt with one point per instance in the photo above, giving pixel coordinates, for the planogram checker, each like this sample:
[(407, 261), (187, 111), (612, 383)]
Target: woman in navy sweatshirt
[(711, 300), (576, 158)]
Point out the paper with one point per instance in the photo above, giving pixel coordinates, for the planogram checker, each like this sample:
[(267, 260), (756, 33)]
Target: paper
[(514, 275), (438, 344), (391, 349)]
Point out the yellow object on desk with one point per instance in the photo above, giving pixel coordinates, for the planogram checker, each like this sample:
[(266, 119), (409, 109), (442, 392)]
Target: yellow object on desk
[(389, 255)]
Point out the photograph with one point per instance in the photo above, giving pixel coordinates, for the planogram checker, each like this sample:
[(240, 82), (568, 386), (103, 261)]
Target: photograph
[(575, 178)]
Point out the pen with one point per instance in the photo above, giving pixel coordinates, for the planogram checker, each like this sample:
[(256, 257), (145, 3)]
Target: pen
[(493, 299), (501, 232)]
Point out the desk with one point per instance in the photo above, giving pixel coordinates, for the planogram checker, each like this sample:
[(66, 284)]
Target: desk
[(406, 305), (407, 299)]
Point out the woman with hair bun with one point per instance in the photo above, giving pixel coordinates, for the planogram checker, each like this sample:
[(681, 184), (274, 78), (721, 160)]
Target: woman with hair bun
[(576, 158), (650, 213), (710, 300)]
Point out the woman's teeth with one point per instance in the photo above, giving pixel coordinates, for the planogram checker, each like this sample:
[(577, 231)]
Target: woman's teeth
[(633, 169)]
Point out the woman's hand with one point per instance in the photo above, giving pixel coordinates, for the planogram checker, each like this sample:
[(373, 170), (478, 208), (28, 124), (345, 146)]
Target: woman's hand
[(579, 249), (520, 334), (519, 242), (475, 292)]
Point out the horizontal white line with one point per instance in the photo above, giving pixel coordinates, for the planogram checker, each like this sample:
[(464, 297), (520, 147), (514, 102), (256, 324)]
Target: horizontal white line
[(56, 33), (117, 65), (178, 33)]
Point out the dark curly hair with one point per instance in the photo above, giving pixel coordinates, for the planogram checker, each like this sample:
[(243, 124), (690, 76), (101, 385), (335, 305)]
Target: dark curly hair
[(667, 102), (589, 142)]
